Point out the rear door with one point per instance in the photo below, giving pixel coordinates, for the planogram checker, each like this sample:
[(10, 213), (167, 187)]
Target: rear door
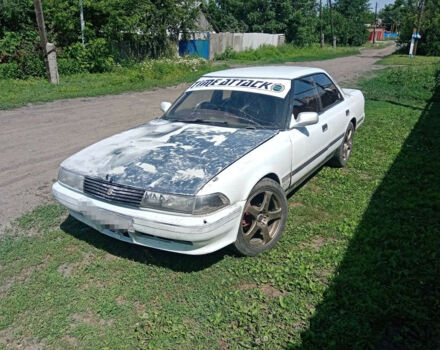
[(309, 143), (334, 113)]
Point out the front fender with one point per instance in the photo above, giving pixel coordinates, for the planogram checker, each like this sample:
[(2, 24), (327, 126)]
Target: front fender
[(236, 181)]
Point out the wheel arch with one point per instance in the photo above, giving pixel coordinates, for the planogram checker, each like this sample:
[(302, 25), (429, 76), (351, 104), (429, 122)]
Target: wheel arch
[(272, 176), (353, 121)]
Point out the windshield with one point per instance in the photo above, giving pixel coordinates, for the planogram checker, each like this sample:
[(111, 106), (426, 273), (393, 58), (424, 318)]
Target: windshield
[(238, 109)]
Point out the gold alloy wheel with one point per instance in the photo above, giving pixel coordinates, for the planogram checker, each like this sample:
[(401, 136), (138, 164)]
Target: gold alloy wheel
[(262, 218)]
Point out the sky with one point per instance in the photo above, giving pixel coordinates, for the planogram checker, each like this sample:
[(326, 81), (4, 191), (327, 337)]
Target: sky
[(380, 3)]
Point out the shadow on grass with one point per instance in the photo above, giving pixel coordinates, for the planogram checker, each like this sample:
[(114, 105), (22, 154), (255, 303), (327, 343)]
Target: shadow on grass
[(173, 261), (386, 292)]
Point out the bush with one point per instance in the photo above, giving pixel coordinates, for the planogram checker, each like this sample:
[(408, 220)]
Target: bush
[(99, 56), (165, 67), (9, 71), (69, 66), (20, 52), (95, 57)]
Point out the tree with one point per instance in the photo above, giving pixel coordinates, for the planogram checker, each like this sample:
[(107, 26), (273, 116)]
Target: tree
[(430, 26), (391, 15), (404, 15), (296, 18), (354, 14)]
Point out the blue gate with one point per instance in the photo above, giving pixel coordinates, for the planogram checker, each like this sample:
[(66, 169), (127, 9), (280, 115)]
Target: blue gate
[(199, 47)]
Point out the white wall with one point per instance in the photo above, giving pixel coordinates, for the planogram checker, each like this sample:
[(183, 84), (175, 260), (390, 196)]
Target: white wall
[(241, 41)]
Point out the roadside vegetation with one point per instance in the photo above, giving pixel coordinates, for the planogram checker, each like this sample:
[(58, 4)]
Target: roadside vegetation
[(286, 53), (111, 78), (405, 60), (145, 75), (357, 267)]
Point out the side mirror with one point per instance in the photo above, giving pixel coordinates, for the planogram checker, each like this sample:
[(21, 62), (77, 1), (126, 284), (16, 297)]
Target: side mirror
[(165, 106), (304, 119)]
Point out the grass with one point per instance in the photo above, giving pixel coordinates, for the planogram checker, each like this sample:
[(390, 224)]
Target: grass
[(405, 60), (147, 75), (286, 53), (357, 267)]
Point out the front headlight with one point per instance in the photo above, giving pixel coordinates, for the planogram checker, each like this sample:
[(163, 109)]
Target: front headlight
[(70, 179), (209, 203), (197, 205)]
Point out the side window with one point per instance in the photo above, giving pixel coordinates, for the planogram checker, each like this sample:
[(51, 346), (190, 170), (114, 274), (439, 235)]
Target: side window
[(327, 91), (305, 98)]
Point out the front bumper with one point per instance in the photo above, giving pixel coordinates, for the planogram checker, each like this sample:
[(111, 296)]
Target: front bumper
[(173, 232)]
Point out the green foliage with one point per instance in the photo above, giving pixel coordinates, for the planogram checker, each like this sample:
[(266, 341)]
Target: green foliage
[(286, 53), (405, 60), (143, 24), (357, 267), (10, 71), (392, 15), (94, 57), (297, 19), (19, 49), (116, 31), (350, 17), (404, 15), (9, 45), (139, 76)]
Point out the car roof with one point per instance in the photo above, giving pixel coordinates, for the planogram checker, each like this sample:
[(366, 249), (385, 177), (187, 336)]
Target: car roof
[(266, 72)]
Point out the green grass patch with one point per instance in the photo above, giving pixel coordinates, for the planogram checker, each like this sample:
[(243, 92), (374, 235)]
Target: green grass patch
[(286, 53), (378, 45), (146, 75), (356, 268), (150, 74), (405, 60)]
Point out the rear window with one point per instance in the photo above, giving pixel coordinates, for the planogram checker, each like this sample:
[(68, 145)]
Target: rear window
[(327, 91)]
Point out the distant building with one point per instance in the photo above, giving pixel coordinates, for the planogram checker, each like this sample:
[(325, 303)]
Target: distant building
[(380, 34)]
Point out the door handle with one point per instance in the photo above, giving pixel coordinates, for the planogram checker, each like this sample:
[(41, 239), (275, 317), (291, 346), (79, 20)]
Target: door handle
[(347, 112), (324, 128)]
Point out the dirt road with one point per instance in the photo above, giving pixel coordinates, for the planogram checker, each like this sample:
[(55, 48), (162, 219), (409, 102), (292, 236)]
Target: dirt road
[(35, 139)]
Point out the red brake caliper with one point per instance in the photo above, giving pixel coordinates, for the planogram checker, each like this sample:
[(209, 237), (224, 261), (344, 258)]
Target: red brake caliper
[(245, 221)]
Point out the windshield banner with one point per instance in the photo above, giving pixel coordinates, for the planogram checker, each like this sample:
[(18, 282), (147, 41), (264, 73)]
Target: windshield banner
[(273, 87)]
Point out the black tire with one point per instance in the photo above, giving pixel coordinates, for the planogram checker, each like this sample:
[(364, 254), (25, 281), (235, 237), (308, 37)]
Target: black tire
[(263, 220), (342, 154)]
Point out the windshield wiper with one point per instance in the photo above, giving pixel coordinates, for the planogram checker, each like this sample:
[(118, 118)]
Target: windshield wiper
[(250, 120), (203, 121)]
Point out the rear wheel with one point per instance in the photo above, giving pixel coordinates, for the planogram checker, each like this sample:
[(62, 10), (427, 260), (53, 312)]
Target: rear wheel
[(342, 154), (264, 218)]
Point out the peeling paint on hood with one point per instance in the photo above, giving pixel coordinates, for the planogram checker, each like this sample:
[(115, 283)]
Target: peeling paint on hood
[(167, 157)]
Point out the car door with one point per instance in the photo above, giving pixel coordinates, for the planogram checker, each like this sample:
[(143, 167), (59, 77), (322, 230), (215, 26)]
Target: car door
[(309, 142), (334, 113)]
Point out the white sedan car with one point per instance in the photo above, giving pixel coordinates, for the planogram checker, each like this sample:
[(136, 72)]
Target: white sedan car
[(215, 169)]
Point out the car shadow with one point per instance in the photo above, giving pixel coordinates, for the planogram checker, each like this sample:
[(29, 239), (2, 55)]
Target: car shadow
[(385, 293), (174, 261)]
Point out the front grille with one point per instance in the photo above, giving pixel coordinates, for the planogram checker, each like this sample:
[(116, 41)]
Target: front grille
[(113, 192)]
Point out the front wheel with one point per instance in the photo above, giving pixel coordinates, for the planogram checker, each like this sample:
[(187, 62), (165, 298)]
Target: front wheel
[(342, 154), (264, 218)]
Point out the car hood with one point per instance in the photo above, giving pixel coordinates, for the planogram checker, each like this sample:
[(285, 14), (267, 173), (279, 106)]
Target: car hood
[(167, 157)]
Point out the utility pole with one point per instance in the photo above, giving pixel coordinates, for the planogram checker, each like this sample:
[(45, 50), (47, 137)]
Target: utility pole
[(83, 25), (48, 48), (41, 25), (419, 24), (331, 22), (375, 24), (320, 23)]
